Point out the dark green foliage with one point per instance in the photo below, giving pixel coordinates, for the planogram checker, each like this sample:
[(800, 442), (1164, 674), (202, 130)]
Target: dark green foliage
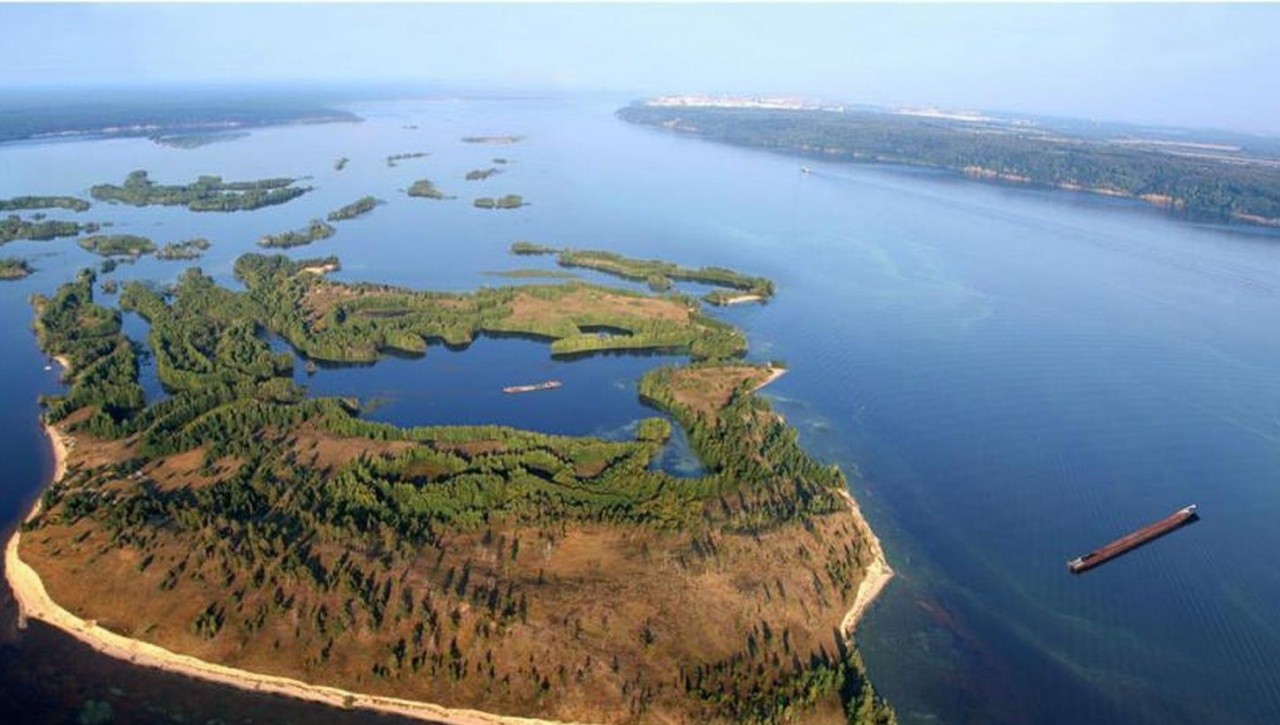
[(14, 227), (1202, 186), (103, 362), (207, 193), (121, 245), (14, 268), (425, 189), (354, 209), (314, 231), (184, 250), (22, 203)]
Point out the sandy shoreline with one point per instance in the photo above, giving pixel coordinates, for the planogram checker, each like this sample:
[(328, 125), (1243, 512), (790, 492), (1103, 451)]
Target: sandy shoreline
[(34, 601), (774, 374), (741, 299), (875, 578)]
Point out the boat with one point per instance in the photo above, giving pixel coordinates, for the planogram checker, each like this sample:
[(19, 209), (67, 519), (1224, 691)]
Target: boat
[(806, 170), (548, 385), (1129, 542)]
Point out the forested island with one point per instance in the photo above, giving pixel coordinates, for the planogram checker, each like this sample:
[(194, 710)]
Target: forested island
[(482, 174), (507, 201), (393, 159), (658, 274), (185, 250), (14, 268), (207, 193), (242, 522), (14, 227), (117, 245), (424, 188), (25, 203), (313, 232), (1200, 181), (359, 207)]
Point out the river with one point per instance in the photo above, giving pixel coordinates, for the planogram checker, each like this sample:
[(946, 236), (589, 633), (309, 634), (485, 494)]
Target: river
[(1018, 376)]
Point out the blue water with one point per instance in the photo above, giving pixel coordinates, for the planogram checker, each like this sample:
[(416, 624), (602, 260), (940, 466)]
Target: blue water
[(1018, 376)]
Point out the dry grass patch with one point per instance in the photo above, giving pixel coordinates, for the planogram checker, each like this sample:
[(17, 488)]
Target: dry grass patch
[(588, 303)]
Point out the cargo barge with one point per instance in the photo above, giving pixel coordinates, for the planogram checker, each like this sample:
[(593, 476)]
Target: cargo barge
[(1124, 544), (550, 384)]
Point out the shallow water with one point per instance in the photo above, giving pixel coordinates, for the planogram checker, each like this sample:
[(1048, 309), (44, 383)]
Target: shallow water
[(1019, 375)]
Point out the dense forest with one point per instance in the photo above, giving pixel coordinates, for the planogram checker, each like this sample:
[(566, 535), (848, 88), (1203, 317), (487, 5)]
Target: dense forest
[(313, 232), (23, 203), (183, 251), (359, 207), (207, 193), (117, 245), (424, 188), (14, 227), (1186, 179), (478, 565)]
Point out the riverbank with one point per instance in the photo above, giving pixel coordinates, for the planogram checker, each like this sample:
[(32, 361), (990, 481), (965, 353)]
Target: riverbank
[(774, 374)]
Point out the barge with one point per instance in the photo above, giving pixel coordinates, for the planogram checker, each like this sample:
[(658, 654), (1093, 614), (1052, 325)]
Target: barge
[(1127, 543), (548, 385)]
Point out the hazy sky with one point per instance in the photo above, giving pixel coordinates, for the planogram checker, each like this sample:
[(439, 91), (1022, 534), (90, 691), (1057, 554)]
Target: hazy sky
[(1203, 65)]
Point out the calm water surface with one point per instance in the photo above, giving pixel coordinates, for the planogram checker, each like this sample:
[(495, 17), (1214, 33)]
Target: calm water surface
[(1018, 376)]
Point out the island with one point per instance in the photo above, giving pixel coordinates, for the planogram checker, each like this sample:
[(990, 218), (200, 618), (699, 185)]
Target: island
[(207, 193), (393, 159), (658, 274), (313, 232), (482, 174), (183, 251), (242, 531), (13, 268), (196, 140), (14, 228), (425, 189), (493, 140), (507, 201), (117, 245), (1206, 179), (24, 203), (359, 207)]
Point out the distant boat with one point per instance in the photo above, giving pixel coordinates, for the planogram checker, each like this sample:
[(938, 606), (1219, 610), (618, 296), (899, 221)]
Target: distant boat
[(806, 170), (548, 385), (48, 367)]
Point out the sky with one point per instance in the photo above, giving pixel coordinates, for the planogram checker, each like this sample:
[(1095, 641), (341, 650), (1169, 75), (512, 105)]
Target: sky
[(1188, 65)]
